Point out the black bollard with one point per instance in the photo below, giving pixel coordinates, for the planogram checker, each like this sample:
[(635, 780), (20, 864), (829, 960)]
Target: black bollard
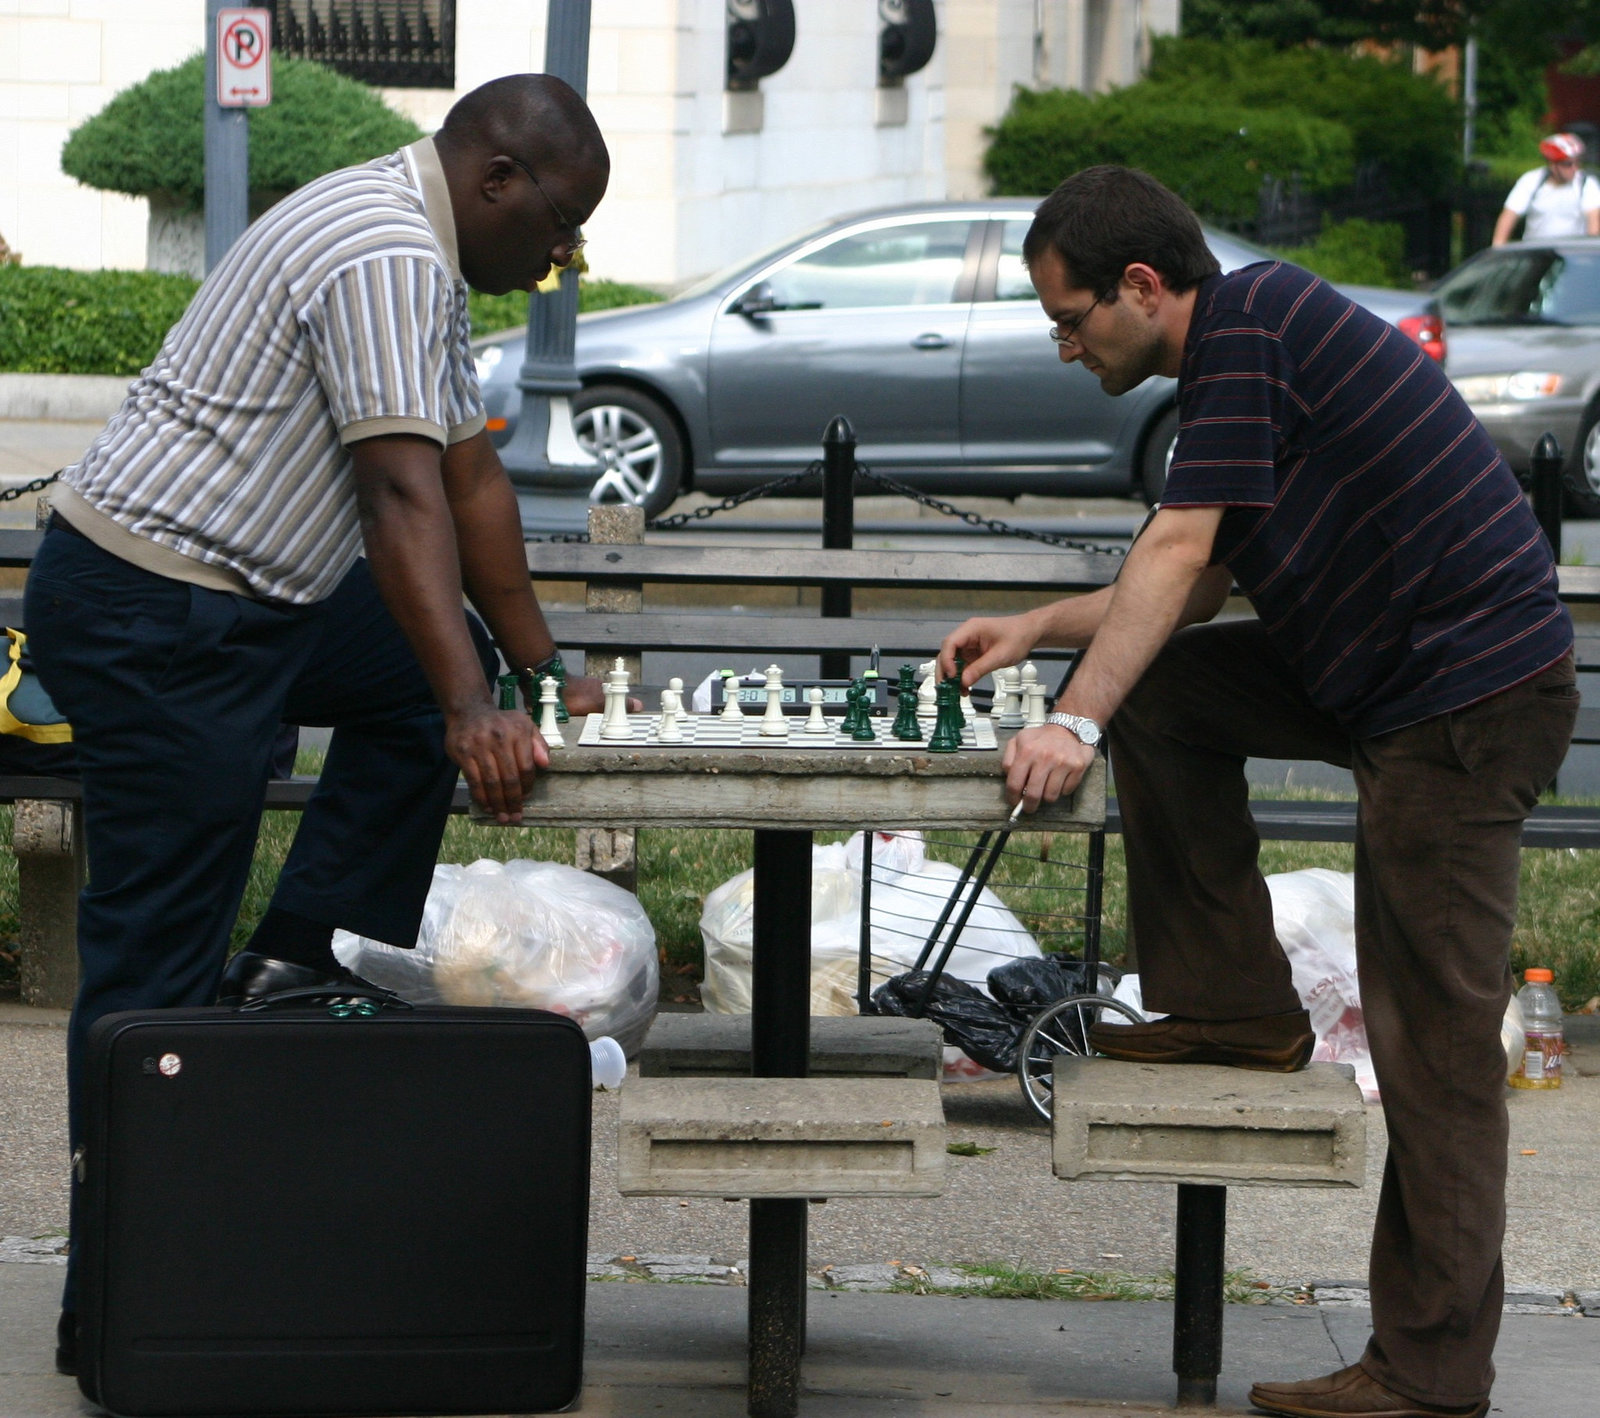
[(838, 526), (1545, 467), (1197, 1303)]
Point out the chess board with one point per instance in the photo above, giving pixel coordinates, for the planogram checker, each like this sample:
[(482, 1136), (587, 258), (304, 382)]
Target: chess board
[(713, 731)]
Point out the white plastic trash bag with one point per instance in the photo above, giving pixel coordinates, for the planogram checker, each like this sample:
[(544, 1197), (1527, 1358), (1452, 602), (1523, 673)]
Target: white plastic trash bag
[(908, 894), (538, 935)]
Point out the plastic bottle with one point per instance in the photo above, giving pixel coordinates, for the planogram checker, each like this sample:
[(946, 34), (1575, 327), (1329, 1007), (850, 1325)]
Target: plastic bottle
[(1540, 1066), (607, 1063)]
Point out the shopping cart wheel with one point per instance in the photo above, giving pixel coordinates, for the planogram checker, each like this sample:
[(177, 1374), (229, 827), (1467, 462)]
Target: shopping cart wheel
[(1063, 1028)]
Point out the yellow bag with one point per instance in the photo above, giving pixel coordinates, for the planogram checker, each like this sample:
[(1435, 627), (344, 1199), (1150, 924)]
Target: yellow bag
[(25, 709)]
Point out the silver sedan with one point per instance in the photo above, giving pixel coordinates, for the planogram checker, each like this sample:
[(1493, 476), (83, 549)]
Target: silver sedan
[(919, 324)]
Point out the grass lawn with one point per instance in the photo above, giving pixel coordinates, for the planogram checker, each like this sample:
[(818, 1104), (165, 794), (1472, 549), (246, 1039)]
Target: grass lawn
[(1042, 880)]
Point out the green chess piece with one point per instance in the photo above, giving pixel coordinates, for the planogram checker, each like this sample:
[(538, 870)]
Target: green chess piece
[(946, 736), (956, 716), (863, 732), (855, 710), (906, 728), (508, 691), (558, 672)]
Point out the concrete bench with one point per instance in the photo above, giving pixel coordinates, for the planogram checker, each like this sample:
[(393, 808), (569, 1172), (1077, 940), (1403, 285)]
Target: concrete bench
[(1206, 1129), (770, 1138), (850, 1046)]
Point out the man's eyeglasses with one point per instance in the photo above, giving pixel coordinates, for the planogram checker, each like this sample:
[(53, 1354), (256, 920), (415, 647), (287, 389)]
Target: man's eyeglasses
[(1069, 334), (573, 247)]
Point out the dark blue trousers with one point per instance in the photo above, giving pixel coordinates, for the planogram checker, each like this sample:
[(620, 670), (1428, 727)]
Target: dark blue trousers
[(175, 693)]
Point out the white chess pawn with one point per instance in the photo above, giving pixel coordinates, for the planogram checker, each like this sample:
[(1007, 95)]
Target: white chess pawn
[(614, 724), (773, 724), (1008, 698), (730, 696), (667, 727), (549, 729), (968, 709), (816, 720), (928, 691)]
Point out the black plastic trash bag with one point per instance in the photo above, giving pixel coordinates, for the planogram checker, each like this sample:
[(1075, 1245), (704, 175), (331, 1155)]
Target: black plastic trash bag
[(984, 1031), (1033, 983)]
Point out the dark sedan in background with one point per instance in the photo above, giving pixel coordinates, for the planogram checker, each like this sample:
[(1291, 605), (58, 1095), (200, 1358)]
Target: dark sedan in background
[(919, 324), (1525, 353)]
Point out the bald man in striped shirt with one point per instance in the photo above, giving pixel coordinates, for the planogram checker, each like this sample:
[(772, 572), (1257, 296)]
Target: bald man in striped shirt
[(1408, 628), (279, 525)]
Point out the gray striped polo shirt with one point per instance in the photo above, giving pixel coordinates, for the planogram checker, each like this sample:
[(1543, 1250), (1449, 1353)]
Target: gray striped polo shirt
[(340, 315)]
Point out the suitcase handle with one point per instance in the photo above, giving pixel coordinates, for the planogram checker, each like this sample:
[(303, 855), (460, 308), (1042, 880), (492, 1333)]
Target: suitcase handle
[(348, 1002)]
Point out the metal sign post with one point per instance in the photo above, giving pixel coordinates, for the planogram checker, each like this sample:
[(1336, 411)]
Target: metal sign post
[(238, 76), (544, 452)]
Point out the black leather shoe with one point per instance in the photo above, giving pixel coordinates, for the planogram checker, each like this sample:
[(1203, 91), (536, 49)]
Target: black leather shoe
[(250, 977), (67, 1344), (1274, 1043)]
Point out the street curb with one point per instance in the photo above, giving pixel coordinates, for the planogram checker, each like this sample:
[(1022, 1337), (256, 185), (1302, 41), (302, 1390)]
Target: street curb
[(61, 398)]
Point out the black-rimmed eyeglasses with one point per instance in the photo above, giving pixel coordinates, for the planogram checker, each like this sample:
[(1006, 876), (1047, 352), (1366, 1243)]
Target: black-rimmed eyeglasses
[(1069, 335), (577, 243)]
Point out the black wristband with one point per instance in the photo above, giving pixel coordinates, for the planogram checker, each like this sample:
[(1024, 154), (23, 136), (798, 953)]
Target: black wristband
[(534, 673)]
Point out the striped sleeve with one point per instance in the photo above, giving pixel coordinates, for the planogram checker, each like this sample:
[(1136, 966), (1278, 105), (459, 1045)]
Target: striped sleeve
[(381, 336), (1236, 412), (467, 415)]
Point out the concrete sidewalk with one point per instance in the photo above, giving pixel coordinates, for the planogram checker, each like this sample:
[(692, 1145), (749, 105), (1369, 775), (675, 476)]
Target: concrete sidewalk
[(678, 1349)]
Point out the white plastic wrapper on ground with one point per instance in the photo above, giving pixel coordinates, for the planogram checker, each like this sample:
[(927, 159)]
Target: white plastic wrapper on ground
[(536, 935), (908, 893), (1314, 915)]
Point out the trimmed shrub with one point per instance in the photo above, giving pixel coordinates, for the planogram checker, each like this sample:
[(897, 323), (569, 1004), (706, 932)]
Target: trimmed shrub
[(150, 139), (55, 321), (1356, 252), (1212, 155)]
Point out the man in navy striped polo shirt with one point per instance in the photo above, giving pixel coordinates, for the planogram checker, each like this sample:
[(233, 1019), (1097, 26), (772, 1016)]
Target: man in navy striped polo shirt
[(1407, 627)]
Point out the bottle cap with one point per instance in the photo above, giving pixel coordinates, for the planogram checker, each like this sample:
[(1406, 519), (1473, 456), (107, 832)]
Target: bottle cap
[(1538, 976)]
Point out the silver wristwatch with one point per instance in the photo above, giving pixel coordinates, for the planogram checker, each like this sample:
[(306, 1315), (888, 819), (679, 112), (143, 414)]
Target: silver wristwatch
[(1087, 731)]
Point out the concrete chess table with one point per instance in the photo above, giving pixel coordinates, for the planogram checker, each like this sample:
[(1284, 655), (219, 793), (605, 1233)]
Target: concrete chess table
[(784, 794)]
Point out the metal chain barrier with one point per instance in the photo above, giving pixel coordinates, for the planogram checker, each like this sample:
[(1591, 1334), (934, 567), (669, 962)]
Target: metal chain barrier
[(11, 494), (684, 519)]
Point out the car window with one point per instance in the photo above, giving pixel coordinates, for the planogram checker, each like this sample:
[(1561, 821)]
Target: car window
[(1011, 281), (918, 263), (1524, 288)]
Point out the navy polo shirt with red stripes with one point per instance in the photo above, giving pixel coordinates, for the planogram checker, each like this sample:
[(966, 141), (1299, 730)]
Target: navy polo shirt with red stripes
[(1377, 531)]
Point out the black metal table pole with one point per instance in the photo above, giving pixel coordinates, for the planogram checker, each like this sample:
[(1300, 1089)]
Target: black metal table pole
[(1197, 1317), (780, 1047), (838, 527), (1544, 470)]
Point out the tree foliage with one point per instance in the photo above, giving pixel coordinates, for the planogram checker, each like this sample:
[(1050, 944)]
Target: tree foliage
[(150, 140)]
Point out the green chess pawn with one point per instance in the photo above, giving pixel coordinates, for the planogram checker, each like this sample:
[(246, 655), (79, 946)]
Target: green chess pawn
[(946, 736), (853, 713), (508, 691), (906, 728), (863, 732)]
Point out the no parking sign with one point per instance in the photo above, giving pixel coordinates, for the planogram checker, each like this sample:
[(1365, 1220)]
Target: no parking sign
[(244, 58)]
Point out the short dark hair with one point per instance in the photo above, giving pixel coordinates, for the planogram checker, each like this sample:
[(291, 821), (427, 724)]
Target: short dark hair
[(537, 115), (1101, 219)]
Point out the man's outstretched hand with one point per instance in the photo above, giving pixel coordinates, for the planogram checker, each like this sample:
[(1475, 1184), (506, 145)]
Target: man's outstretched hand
[(986, 643)]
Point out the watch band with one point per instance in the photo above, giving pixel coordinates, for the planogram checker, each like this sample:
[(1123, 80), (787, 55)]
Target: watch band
[(1086, 731)]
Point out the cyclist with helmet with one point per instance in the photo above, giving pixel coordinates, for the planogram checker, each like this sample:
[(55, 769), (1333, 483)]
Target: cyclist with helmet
[(1558, 199)]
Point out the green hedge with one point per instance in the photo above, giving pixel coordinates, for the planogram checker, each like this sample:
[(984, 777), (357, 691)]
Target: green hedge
[(1356, 252), (1211, 154), (150, 139), (54, 321)]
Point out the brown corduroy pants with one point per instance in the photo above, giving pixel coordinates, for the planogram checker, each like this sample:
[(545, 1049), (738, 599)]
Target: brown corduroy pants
[(1438, 838)]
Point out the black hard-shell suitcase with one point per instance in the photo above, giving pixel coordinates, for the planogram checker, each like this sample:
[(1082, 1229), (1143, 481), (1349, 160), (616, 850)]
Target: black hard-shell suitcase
[(315, 1211)]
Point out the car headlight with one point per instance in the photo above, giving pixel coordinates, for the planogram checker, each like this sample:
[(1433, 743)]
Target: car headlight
[(1503, 388), (487, 359)]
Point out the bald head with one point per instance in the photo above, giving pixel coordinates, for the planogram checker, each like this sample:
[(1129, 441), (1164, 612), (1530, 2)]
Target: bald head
[(526, 166)]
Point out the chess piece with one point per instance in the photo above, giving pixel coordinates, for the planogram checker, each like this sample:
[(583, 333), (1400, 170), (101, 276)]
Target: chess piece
[(816, 720), (508, 691), (549, 725), (559, 672), (730, 696), (668, 729), (946, 736), (927, 692), (1037, 694), (1007, 710), (614, 722), (905, 727), (773, 724), (863, 732)]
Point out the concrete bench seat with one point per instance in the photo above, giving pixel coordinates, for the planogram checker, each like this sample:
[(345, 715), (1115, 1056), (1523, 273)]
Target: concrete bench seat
[(797, 1138), (849, 1046)]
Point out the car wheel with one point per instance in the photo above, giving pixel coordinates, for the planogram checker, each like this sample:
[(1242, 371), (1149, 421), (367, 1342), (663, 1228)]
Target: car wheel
[(1156, 455), (636, 439), (1583, 468)]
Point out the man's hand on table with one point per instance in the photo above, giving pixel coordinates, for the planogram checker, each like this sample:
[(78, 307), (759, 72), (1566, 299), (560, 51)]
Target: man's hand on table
[(498, 751), (586, 694), (1044, 764)]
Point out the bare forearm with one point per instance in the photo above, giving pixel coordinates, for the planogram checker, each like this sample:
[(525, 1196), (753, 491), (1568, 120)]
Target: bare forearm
[(1502, 228)]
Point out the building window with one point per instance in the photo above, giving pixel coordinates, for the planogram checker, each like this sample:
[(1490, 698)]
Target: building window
[(393, 44)]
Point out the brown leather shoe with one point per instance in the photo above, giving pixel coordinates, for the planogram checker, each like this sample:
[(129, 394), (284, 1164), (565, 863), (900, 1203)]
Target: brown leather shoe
[(1276, 1043), (1350, 1393)]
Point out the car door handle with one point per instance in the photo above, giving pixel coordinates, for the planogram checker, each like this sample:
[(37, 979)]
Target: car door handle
[(930, 342)]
